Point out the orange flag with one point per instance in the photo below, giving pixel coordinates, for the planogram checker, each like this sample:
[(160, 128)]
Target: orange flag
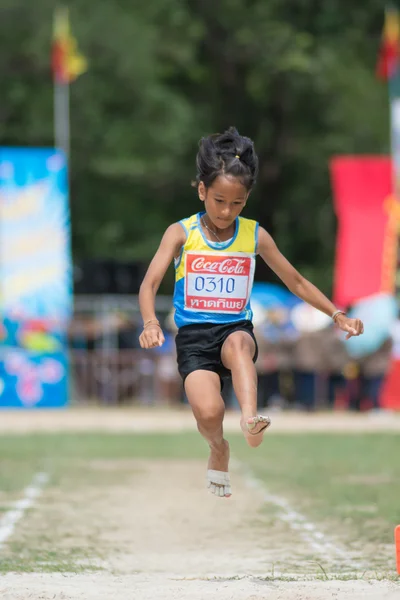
[(389, 53), (66, 61)]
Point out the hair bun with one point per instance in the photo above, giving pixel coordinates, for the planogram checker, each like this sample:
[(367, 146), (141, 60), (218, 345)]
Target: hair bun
[(218, 155)]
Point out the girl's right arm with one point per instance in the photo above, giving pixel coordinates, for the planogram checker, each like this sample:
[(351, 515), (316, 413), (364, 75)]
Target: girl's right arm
[(172, 241)]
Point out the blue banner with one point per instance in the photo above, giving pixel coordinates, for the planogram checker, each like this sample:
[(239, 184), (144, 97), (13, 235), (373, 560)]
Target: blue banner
[(35, 277)]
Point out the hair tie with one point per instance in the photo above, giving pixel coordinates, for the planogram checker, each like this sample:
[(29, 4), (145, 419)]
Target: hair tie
[(237, 156)]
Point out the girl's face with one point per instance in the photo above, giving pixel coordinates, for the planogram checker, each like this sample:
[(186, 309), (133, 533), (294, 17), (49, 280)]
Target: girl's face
[(224, 200)]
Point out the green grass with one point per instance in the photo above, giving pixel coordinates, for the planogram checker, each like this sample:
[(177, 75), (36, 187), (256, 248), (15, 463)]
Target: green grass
[(348, 484), (33, 560), (352, 480), (21, 456), (351, 476)]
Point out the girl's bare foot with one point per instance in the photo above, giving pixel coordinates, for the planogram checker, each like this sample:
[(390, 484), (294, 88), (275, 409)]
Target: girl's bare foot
[(218, 480), (254, 428)]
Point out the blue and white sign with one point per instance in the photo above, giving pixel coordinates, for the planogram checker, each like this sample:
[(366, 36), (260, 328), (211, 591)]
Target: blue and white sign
[(35, 277)]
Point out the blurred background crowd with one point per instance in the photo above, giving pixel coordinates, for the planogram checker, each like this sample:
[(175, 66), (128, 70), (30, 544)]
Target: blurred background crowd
[(304, 362)]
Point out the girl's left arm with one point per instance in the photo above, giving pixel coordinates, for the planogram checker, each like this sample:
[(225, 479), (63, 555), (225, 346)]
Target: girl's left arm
[(300, 286)]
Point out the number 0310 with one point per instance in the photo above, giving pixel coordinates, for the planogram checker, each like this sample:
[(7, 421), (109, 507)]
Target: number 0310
[(214, 284)]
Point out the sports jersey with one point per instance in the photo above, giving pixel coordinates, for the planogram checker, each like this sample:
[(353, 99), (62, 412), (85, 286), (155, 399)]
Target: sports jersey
[(213, 281)]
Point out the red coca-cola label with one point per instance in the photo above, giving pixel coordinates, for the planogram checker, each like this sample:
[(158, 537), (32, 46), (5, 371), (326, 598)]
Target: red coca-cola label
[(236, 266)]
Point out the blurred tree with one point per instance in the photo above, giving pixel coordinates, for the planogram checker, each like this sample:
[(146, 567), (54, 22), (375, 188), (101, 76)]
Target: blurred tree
[(296, 75)]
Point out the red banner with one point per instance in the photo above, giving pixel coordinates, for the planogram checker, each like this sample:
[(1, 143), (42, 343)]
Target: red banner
[(366, 243)]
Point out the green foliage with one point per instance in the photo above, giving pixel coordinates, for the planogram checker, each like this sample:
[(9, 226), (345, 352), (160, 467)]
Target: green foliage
[(296, 75)]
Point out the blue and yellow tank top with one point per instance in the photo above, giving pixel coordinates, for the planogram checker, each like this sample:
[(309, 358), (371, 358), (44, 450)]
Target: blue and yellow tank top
[(213, 282)]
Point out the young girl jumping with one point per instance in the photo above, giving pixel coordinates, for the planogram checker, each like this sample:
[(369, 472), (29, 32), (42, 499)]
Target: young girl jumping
[(214, 254)]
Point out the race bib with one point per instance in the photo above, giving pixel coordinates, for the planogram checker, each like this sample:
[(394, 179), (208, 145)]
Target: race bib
[(218, 282)]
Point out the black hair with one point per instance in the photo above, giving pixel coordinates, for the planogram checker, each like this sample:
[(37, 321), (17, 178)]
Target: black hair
[(227, 153)]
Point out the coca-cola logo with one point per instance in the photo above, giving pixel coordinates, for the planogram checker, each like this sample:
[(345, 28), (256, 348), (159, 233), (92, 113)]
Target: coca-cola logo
[(230, 266)]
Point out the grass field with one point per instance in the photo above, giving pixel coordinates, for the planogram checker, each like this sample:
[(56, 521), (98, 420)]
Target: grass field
[(130, 504)]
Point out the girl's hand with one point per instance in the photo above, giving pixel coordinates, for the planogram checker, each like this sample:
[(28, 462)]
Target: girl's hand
[(151, 336), (354, 327)]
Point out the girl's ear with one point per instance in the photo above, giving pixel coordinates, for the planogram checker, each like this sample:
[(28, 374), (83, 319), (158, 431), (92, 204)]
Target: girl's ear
[(201, 191)]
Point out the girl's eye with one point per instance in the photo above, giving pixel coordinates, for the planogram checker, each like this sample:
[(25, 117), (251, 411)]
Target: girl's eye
[(219, 201)]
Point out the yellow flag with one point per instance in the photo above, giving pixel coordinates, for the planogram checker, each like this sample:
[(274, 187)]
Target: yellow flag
[(67, 62)]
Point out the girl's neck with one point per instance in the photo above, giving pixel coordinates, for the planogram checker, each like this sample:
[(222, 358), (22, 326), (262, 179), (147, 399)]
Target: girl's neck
[(215, 234)]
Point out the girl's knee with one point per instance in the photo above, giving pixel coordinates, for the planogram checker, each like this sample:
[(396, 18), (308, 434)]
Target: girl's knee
[(210, 416), (238, 345)]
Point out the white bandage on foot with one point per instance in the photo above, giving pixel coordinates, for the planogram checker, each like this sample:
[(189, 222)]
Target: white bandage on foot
[(266, 421), (219, 483)]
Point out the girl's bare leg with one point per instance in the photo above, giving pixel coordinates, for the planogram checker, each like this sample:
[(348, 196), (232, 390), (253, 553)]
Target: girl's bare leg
[(203, 390), (237, 355)]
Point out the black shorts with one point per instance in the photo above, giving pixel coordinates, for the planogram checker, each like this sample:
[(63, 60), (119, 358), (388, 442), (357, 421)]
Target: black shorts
[(199, 346)]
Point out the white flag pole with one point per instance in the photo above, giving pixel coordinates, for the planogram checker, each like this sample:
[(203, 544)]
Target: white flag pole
[(62, 117)]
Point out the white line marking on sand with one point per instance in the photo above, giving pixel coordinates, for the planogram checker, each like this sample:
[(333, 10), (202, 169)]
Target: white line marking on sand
[(309, 533), (11, 517)]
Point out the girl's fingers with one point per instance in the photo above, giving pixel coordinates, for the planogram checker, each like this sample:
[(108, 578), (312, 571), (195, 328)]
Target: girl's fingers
[(148, 340)]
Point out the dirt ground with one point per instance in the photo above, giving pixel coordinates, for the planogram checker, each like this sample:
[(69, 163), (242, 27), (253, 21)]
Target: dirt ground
[(153, 586), (186, 544), (159, 419)]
